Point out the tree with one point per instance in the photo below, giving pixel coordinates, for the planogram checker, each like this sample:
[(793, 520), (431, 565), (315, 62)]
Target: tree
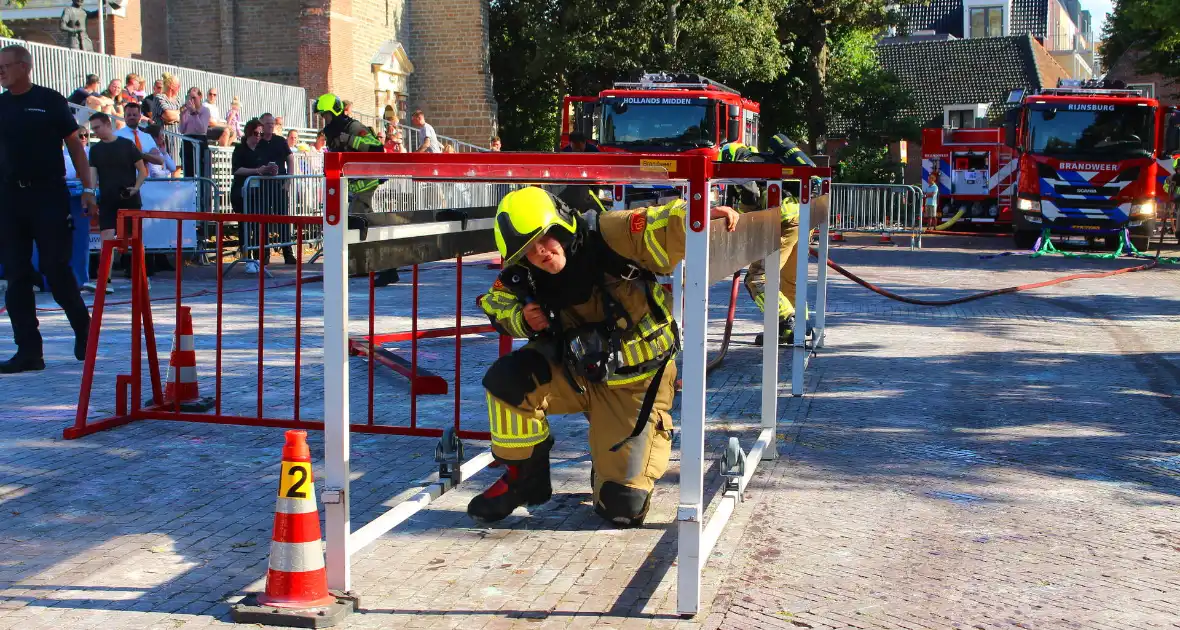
[(869, 102), (1150, 27), (813, 26), (868, 164), (542, 49)]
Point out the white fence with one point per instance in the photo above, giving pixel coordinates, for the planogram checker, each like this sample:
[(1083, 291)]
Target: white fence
[(65, 70), (877, 208)]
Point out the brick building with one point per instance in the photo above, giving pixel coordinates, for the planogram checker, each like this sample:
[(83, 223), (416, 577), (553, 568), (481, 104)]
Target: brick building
[(387, 56)]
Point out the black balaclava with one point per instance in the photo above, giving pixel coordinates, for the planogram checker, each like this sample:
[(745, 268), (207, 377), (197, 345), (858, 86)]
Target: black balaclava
[(583, 271)]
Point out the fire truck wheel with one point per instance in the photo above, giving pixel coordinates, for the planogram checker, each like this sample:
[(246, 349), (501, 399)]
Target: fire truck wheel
[(1025, 239)]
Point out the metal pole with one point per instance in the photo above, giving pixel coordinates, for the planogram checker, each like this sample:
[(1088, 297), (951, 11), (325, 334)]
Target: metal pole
[(336, 438), (801, 279), (691, 513), (102, 29)]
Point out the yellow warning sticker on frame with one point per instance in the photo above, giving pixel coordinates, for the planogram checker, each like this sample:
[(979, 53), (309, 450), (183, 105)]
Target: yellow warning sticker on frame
[(658, 166), (787, 172), (296, 481)]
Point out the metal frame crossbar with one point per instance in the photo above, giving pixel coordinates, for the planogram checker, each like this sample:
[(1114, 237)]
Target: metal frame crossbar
[(712, 255)]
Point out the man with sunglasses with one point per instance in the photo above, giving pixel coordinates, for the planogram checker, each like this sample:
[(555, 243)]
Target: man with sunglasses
[(35, 206)]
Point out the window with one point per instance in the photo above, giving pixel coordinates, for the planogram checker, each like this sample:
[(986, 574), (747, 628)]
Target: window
[(1148, 89), (986, 22), (961, 118)]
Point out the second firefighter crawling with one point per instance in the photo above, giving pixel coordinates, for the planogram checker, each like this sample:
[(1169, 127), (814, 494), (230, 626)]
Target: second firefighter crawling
[(602, 341)]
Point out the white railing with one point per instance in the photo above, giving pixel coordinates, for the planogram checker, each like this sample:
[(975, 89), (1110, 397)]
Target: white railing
[(65, 70)]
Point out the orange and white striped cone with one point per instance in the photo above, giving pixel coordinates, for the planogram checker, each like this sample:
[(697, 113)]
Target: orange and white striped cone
[(297, 592), (182, 368)]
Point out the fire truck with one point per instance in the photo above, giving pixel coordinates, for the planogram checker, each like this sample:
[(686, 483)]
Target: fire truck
[(660, 112), (976, 174), (1089, 161)]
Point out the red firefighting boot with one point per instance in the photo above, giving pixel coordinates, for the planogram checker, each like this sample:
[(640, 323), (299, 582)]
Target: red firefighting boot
[(523, 483)]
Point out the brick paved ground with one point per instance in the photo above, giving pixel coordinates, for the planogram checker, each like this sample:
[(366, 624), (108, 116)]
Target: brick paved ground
[(1011, 461)]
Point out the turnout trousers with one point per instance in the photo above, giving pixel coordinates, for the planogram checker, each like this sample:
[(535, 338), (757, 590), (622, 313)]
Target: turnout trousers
[(787, 265), (525, 387)]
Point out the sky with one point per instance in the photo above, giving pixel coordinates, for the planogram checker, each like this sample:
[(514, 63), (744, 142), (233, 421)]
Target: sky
[(1098, 10)]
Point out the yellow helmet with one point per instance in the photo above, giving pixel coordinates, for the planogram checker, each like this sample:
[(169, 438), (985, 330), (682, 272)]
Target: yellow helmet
[(526, 215), (329, 103)]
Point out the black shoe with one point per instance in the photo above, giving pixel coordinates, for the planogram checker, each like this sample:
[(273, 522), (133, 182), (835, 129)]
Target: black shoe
[(19, 363), (497, 502), (386, 278), (289, 256), (80, 338), (786, 332)]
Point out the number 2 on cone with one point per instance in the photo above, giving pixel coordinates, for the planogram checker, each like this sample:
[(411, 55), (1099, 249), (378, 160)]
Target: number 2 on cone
[(295, 481)]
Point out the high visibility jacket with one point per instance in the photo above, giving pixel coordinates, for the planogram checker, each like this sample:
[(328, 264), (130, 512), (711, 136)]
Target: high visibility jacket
[(729, 151), (653, 239), (346, 134)]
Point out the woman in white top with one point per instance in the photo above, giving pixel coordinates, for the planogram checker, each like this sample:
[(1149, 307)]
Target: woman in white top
[(169, 167)]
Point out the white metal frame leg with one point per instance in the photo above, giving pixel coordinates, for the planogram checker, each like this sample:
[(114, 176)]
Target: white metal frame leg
[(690, 513), (336, 437), (678, 296), (770, 353), (802, 277), (821, 289)]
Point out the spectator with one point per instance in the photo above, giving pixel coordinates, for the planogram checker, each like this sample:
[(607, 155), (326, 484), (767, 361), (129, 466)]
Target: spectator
[(114, 91), (293, 142), (194, 125), (133, 89), (89, 89), (347, 108), (246, 161), (169, 99), (153, 105), (430, 142), (393, 144), (118, 167), (143, 141), (494, 145), (34, 120), (274, 150), (225, 138), (84, 136), (280, 131), (321, 141), (450, 148), (215, 118), (168, 168), (233, 119)]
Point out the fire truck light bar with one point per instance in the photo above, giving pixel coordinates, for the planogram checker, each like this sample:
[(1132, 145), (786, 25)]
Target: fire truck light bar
[(670, 81)]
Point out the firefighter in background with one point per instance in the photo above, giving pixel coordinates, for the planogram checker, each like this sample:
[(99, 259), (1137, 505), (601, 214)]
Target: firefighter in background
[(1172, 194), (344, 134), (602, 342), (785, 152)]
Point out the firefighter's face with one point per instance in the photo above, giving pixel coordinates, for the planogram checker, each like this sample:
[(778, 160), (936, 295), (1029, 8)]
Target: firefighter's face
[(547, 254)]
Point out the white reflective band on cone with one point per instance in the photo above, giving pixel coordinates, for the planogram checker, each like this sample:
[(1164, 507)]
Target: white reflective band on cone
[(187, 374), (296, 557), (296, 506), (186, 344)]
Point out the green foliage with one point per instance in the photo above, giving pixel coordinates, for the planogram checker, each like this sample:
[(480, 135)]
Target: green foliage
[(868, 164), (781, 53), (1151, 27)]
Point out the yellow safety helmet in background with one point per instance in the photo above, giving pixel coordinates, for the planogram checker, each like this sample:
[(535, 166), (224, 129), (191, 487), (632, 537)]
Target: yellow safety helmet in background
[(526, 215), (329, 103)]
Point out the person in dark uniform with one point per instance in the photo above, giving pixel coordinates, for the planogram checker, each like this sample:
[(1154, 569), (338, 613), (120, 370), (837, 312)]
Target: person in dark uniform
[(35, 206)]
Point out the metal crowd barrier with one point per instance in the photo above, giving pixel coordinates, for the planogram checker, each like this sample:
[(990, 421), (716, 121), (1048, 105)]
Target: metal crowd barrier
[(885, 209), (286, 196), (179, 194)]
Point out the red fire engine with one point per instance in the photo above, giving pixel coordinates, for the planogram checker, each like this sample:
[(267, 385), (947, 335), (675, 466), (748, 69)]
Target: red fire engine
[(975, 173), (1089, 161), (661, 113)]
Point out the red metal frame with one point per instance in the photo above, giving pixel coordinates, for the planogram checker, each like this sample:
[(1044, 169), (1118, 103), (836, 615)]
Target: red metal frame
[(143, 333)]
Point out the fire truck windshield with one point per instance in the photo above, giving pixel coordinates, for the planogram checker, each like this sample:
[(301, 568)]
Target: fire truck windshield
[(665, 125), (1090, 130)]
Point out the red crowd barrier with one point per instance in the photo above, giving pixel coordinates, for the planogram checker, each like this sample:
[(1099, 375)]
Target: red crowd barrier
[(128, 387)]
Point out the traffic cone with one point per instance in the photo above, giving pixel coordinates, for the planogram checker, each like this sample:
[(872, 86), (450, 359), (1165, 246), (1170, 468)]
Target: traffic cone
[(885, 239), (837, 237), (182, 369), (297, 592)]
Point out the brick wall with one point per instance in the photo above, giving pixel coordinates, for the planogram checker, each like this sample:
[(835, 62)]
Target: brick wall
[(254, 39), (452, 80), (1125, 69)]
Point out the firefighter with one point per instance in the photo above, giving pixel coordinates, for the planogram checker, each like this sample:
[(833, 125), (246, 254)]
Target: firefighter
[(344, 133), (1172, 193), (786, 152), (602, 342)]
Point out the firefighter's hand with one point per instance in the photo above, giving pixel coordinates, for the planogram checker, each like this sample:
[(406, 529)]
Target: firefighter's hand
[(535, 317), (725, 212)]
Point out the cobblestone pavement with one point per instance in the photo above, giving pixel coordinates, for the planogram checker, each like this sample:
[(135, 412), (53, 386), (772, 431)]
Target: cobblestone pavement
[(1010, 462)]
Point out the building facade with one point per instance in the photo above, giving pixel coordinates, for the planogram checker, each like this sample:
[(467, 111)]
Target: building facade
[(389, 57)]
